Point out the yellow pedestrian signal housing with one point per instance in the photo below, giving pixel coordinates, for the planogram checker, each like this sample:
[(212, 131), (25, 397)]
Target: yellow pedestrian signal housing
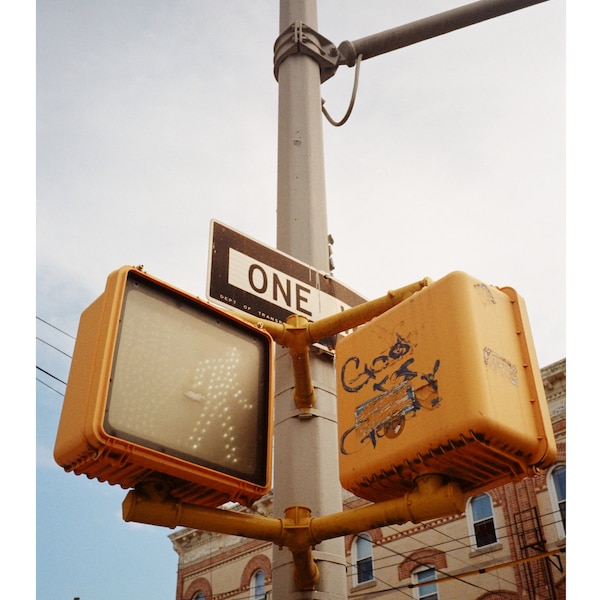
[(446, 382), (165, 386)]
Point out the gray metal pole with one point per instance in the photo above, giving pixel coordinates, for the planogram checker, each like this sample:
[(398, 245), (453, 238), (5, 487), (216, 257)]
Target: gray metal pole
[(306, 456), (430, 27)]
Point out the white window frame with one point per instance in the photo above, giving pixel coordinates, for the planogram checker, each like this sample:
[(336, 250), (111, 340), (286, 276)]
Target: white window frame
[(421, 592), (555, 500), (362, 539), (471, 522), (256, 586)]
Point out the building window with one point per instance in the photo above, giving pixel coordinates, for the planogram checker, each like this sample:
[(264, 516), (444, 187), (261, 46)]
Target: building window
[(199, 596), (257, 586), (362, 550), (425, 590), (483, 528), (557, 484)]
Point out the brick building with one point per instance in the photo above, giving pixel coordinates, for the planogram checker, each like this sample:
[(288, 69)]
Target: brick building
[(509, 544)]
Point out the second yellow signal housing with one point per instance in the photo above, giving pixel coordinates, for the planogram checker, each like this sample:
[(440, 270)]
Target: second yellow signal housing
[(446, 382)]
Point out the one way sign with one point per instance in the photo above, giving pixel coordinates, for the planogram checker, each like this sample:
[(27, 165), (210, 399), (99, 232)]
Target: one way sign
[(249, 276)]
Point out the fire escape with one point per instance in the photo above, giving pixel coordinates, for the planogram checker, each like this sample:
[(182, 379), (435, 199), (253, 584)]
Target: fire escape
[(537, 574)]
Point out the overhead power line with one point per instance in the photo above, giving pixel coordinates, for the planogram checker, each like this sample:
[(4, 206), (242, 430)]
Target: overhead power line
[(444, 576), (481, 571), (55, 327), (67, 355), (50, 387), (52, 346), (50, 375)]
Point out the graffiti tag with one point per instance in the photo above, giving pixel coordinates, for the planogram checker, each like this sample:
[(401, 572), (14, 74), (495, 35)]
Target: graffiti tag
[(400, 393)]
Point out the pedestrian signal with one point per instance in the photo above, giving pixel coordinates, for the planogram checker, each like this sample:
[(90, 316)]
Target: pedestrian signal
[(165, 386), (446, 382)]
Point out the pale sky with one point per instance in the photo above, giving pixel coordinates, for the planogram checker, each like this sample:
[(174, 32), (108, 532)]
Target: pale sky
[(155, 117)]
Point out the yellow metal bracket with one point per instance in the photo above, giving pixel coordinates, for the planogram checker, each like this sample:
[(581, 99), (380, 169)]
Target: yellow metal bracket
[(298, 530), (298, 334)]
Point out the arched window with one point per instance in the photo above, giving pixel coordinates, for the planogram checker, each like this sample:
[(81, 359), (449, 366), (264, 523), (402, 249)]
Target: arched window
[(362, 554), (481, 521), (199, 590), (557, 484), (424, 590), (257, 586)]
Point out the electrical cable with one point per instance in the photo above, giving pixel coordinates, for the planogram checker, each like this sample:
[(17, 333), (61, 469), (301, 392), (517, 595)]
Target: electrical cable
[(463, 544), (67, 355), (425, 563), (55, 327), (50, 387), (445, 576), (50, 375), (465, 540), (53, 347), (468, 574), (352, 99)]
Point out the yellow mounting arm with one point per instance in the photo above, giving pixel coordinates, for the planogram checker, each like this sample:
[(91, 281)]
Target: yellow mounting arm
[(150, 503), (298, 334), (297, 531)]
